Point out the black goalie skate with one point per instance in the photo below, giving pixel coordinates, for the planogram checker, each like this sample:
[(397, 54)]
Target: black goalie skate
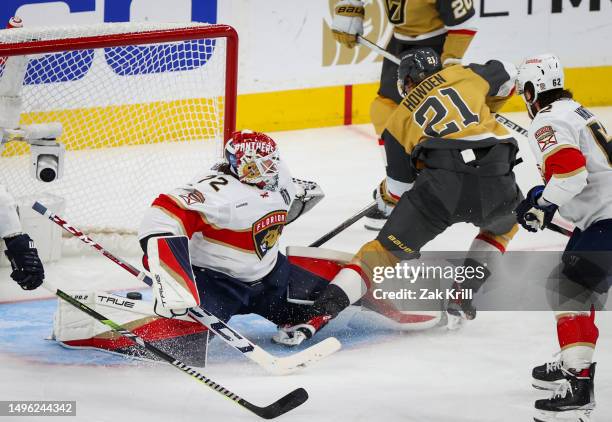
[(548, 376), (574, 399)]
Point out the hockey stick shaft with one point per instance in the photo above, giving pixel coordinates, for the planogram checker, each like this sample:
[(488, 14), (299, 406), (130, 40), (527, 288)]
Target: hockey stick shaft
[(378, 49), (255, 353), (343, 226), (281, 406), (561, 230), (381, 51)]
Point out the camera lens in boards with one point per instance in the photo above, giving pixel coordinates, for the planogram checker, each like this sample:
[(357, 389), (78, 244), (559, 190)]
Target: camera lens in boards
[(47, 168)]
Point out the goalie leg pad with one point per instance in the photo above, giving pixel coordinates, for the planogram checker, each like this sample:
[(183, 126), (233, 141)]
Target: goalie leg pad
[(181, 337)]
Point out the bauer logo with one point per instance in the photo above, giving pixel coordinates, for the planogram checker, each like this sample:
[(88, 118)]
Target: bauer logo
[(123, 61), (376, 28)]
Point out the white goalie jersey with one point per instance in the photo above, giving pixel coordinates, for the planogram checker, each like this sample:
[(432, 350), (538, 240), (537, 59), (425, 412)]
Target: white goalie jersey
[(234, 227), (574, 155)]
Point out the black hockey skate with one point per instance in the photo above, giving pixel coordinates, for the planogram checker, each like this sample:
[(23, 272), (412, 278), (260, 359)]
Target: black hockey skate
[(574, 399), (375, 220), (548, 376), (459, 310)]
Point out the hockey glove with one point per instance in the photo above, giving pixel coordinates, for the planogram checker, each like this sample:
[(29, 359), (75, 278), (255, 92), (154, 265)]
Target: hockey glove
[(534, 212), (348, 22), (28, 270), (325, 308)]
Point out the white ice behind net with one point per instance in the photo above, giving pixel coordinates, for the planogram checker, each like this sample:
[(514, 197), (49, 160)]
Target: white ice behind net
[(137, 120)]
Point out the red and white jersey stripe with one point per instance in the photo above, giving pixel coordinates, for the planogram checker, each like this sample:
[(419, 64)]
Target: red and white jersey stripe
[(575, 159), (234, 227)]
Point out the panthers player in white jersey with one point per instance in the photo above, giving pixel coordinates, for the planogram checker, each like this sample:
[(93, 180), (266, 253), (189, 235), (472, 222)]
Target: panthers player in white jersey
[(574, 155), (234, 216)]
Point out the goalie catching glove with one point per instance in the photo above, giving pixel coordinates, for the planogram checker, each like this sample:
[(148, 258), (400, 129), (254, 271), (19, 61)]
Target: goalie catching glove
[(348, 22), (174, 285), (308, 194)]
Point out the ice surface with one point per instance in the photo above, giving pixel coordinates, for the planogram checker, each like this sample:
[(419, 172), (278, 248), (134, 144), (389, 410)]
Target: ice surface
[(480, 373)]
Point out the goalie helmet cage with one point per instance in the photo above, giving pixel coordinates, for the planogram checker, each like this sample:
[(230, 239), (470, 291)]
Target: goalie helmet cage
[(143, 107)]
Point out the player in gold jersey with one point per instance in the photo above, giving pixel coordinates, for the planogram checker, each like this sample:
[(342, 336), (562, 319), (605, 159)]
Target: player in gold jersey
[(447, 26), (449, 161)]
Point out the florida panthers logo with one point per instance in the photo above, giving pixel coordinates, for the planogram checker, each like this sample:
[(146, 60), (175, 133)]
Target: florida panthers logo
[(267, 231), (545, 137)]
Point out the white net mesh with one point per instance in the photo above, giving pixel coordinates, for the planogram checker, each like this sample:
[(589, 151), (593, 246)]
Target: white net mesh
[(137, 119)]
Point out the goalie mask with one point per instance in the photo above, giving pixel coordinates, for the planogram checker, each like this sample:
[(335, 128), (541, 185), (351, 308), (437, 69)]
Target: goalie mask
[(253, 159), (537, 75)]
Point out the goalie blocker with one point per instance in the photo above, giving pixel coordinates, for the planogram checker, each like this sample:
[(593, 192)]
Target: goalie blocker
[(174, 285)]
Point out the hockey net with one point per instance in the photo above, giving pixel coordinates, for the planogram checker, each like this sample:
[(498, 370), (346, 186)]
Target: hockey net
[(143, 107)]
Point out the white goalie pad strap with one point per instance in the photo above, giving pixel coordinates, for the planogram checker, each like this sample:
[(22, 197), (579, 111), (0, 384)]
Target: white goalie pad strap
[(319, 253), (173, 279)]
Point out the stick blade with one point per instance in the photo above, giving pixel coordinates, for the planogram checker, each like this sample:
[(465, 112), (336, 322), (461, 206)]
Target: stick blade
[(281, 406)]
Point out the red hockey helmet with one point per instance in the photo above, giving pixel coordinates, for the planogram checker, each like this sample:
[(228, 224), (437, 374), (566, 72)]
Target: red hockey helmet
[(253, 158)]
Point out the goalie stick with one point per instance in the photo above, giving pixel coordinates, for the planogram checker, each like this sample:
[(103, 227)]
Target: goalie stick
[(279, 407), (275, 365)]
